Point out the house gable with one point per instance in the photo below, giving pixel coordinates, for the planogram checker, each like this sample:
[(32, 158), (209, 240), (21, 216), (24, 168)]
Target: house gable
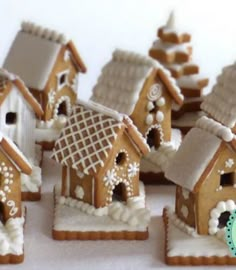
[(123, 166), (154, 108), (62, 83)]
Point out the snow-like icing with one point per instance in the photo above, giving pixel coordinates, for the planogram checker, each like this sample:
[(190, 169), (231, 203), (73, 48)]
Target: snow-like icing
[(49, 130), (11, 236), (123, 78), (192, 158), (32, 182), (130, 216), (215, 128), (194, 244), (221, 102), (157, 160), (178, 67), (171, 26), (190, 81), (187, 120), (170, 47)]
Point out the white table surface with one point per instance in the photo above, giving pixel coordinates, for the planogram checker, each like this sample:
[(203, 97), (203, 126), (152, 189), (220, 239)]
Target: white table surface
[(42, 252)]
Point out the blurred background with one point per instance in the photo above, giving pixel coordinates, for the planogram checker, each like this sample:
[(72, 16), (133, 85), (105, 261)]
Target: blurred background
[(97, 27)]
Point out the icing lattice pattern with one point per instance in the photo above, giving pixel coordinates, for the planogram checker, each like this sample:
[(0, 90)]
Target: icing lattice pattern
[(86, 140)]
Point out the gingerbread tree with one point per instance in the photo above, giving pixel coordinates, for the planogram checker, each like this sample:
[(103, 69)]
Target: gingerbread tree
[(173, 49)]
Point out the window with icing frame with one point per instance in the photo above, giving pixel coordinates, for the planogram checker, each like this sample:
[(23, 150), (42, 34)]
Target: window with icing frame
[(62, 79)]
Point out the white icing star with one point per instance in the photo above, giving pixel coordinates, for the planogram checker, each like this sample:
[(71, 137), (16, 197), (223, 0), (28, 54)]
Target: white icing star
[(110, 177), (229, 163), (133, 169)]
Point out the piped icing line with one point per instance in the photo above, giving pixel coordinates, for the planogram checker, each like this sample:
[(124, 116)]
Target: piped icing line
[(215, 128)]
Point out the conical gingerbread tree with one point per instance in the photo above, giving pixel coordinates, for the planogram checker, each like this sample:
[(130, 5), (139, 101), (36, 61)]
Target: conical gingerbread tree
[(173, 49)]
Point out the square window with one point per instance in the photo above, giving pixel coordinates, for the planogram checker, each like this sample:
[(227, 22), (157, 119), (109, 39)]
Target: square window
[(227, 179), (62, 79), (11, 118)]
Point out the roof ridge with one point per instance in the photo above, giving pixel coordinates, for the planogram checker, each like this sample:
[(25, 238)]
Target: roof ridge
[(43, 32), (214, 127), (91, 105)]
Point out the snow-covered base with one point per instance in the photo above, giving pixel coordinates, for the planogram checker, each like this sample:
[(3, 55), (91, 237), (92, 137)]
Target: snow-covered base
[(33, 182), (183, 241), (157, 160), (187, 120), (74, 216), (11, 237), (49, 131)]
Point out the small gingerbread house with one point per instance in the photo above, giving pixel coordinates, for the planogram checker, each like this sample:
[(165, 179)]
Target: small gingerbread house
[(140, 87), (100, 151), (204, 170), (204, 166), (12, 164), (49, 65)]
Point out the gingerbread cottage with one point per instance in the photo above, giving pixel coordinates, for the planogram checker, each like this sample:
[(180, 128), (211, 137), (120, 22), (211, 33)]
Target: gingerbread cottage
[(100, 151), (204, 170), (12, 165), (49, 65), (140, 87), (18, 111)]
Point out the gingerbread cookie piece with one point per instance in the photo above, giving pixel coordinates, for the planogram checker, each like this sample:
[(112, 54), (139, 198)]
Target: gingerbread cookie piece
[(49, 65), (173, 50), (170, 34), (100, 196), (12, 165)]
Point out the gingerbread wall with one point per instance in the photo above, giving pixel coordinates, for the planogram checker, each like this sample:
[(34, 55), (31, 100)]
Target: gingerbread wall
[(185, 206), (142, 110), (10, 188), (126, 172), (211, 192), (53, 96)]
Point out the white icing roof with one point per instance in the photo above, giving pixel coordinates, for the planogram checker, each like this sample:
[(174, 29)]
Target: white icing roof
[(32, 57), (221, 102), (122, 80), (192, 158)]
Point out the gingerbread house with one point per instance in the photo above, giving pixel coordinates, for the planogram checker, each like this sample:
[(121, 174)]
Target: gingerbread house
[(140, 87), (18, 111), (204, 170), (174, 51), (49, 65), (100, 151)]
